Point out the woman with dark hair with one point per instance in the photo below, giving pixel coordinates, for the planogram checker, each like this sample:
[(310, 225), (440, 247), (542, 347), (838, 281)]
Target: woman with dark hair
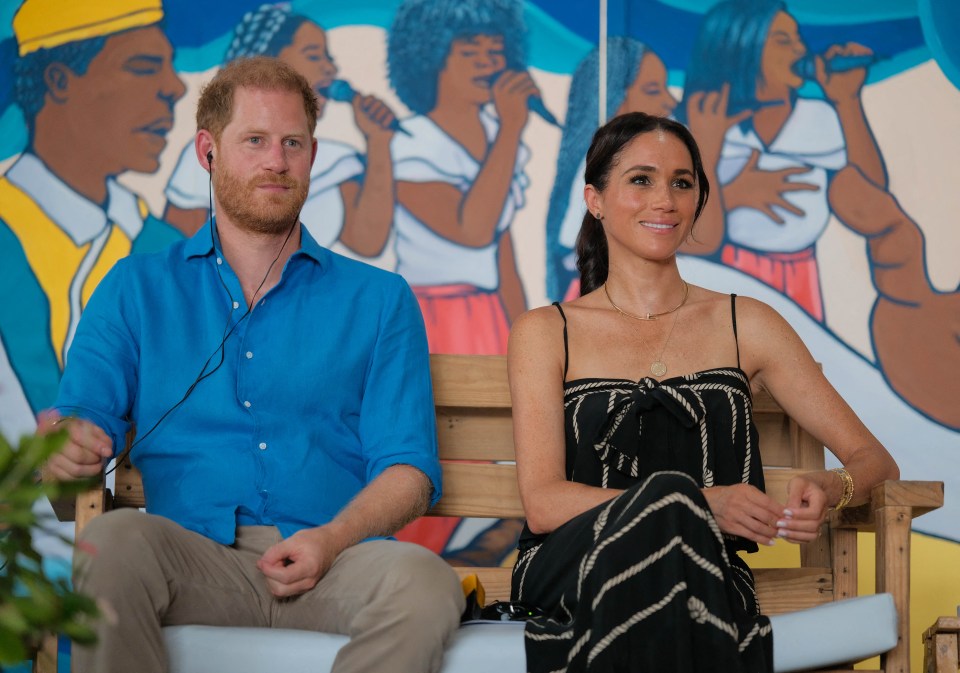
[(351, 196), (459, 66), (637, 455), (790, 143), (636, 82)]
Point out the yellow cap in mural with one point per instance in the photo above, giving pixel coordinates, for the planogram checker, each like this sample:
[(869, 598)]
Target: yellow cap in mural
[(42, 24)]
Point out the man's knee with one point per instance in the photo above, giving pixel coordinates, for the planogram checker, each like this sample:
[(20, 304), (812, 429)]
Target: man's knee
[(110, 545), (421, 581)]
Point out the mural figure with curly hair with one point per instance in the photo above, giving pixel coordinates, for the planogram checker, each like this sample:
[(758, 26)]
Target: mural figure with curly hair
[(460, 67)]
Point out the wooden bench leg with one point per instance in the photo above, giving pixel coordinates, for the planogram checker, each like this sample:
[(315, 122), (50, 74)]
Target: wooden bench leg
[(945, 650), (941, 646), (893, 563), (46, 661)]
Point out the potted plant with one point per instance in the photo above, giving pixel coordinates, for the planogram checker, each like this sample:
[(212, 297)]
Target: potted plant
[(32, 604)]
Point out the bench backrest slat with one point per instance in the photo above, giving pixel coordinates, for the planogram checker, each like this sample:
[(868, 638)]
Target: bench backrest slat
[(472, 398)]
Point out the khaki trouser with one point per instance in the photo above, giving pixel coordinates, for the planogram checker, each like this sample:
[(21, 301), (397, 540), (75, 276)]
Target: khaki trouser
[(398, 602)]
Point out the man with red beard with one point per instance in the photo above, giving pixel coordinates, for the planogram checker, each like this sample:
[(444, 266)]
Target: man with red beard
[(282, 399)]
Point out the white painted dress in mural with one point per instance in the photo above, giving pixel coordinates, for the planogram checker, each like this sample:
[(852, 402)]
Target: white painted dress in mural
[(811, 138), (428, 154), (783, 254), (456, 285), (573, 217), (323, 211)]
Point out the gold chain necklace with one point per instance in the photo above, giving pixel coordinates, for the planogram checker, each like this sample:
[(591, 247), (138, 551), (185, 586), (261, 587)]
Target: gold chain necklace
[(658, 367), (649, 316)]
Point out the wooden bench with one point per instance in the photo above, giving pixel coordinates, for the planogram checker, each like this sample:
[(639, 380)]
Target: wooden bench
[(475, 432), (941, 646)]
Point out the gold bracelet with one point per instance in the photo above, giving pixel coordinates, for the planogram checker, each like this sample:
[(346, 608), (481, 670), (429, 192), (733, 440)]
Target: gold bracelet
[(847, 488)]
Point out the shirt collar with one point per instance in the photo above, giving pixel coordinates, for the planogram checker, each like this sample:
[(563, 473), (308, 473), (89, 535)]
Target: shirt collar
[(200, 245), (80, 218)]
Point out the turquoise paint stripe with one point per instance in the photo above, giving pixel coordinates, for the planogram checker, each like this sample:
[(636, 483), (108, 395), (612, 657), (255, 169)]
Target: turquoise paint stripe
[(13, 132), (828, 12), (551, 46), (198, 59)]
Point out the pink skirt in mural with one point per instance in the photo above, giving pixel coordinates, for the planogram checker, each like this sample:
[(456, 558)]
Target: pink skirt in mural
[(460, 319), (463, 319), (792, 273)]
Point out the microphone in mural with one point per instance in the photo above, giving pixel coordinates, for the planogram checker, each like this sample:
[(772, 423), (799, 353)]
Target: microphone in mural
[(535, 104), (341, 91), (774, 237), (807, 66)]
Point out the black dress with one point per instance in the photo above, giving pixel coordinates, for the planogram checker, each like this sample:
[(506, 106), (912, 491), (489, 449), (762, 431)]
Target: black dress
[(647, 581)]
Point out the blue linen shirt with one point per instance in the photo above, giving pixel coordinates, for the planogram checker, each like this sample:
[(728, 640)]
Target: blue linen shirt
[(322, 387)]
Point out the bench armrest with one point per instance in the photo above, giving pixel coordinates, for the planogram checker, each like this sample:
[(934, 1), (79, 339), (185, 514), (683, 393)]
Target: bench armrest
[(919, 496)]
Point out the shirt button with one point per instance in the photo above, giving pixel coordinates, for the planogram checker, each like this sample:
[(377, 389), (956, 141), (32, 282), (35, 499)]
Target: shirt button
[(263, 446), (236, 304), (247, 404), (249, 354), (219, 260)]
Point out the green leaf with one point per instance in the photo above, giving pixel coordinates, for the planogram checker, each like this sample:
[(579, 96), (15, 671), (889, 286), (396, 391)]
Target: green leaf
[(80, 633), (12, 650), (11, 619)]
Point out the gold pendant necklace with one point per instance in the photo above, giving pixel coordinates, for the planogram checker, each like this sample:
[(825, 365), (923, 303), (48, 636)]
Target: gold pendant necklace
[(649, 316), (658, 367)]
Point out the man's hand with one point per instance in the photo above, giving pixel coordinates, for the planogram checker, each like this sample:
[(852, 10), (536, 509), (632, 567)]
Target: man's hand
[(296, 564), (85, 452), (746, 511)]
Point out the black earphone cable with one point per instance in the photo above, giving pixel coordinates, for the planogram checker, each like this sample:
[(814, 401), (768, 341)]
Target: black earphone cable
[(227, 329)]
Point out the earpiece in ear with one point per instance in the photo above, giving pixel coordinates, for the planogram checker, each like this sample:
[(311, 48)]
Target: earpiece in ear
[(210, 160)]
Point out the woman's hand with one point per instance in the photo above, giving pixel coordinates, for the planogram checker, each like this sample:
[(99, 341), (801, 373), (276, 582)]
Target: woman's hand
[(807, 505), (709, 122), (746, 511), (373, 117), (511, 90), (763, 189), (841, 86)]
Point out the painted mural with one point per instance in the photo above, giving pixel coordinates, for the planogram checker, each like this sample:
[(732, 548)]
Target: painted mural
[(452, 141)]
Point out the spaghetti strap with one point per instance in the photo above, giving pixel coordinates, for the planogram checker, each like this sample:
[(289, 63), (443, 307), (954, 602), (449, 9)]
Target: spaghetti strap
[(733, 314), (566, 349)]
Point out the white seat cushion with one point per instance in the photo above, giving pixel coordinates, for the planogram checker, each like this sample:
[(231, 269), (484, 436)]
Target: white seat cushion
[(847, 630), (842, 631)]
